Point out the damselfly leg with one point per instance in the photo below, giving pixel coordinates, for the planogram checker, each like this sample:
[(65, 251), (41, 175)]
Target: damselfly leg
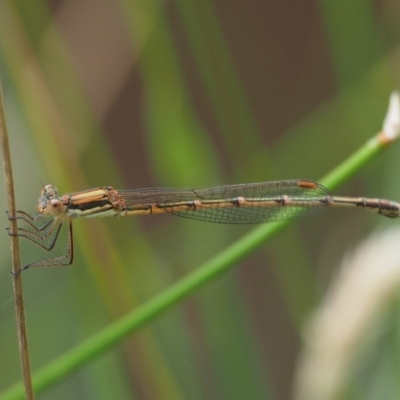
[(45, 236)]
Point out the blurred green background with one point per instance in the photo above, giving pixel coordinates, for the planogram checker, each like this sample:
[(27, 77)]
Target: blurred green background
[(191, 93)]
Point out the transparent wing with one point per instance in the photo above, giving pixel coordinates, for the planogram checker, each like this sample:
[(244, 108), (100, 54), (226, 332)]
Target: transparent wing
[(235, 204)]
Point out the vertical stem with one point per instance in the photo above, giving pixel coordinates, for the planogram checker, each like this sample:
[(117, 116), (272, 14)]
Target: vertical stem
[(16, 264)]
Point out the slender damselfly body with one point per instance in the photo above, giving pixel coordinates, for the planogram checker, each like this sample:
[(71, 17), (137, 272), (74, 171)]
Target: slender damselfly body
[(250, 203)]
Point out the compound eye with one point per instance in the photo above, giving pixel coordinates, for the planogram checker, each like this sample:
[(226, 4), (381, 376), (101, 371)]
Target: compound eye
[(55, 205), (49, 191), (42, 206)]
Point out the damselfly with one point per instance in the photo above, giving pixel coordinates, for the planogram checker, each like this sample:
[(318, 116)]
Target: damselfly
[(234, 204)]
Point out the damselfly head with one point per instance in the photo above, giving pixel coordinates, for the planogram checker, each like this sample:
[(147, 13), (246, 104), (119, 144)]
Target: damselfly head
[(49, 202)]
